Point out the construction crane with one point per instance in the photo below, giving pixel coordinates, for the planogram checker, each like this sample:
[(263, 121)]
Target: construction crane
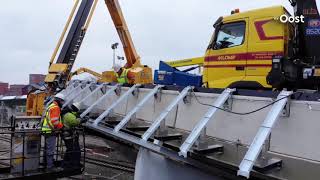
[(59, 72), (68, 46)]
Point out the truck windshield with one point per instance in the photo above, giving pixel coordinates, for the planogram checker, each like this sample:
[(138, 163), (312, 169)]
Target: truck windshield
[(230, 35)]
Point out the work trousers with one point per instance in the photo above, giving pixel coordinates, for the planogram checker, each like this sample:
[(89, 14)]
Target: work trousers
[(50, 149), (72, 155)]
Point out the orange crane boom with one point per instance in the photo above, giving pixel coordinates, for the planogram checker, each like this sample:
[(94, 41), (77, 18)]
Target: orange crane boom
[(123, 32), (140, 74)]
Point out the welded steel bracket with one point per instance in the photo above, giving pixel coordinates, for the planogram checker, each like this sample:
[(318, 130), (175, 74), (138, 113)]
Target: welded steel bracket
[(118, 91), (286, 109), (164, 114), (157, 95), (187, 98), (264, 131), (267, 164), (89, 109), (118, 101), (200, 126)]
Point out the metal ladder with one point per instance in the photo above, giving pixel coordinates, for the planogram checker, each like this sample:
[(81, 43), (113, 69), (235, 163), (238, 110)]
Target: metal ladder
[(264, 131), (200, 126), (106, 112), (164, 114), (75, 50)]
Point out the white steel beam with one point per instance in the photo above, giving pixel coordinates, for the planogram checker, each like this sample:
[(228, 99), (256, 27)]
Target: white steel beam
[(164, 114), (264, 131), (89, 109), (92, 93), (194, 135), (106, 112), (126, 119), (87, 86)]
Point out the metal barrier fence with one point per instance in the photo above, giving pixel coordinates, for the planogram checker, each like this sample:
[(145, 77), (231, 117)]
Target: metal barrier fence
[(26, 151)]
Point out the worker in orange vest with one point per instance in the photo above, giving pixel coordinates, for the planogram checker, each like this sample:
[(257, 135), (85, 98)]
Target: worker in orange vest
[(51, 123)]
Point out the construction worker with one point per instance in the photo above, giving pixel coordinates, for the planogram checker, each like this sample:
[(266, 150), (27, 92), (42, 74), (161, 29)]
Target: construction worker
[(70, 137), (51, 123), (123, 75)]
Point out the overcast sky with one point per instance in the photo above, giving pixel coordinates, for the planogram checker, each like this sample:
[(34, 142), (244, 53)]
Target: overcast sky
[(161, 30)]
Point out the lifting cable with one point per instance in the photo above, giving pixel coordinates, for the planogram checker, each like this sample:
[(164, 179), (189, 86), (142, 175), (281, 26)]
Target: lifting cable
[(242, 113)]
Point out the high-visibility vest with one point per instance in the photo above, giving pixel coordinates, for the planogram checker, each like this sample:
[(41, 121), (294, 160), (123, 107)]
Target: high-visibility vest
[(70, 120), (51, 123), (123, 78)]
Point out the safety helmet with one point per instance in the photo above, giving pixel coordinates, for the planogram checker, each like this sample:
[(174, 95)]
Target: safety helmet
[(116, 67), (60, 96), (76, 107)]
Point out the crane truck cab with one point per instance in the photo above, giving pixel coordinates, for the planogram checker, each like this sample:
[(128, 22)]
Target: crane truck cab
[(242, 47)]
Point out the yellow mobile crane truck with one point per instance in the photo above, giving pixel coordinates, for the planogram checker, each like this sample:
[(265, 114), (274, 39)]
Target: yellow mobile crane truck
[(263, 48), (242, 47)]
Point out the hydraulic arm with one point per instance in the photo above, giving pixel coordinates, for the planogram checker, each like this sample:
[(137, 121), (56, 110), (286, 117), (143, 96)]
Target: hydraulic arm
[(68, 46), (141, 74), (123, 32), (59, 71)]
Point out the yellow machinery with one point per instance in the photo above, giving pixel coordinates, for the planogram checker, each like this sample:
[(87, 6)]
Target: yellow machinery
[(35, 101), (186, 62), (59, 72), (86, 70), (69, 44), (142, 74), (242, 47), (263, 48)]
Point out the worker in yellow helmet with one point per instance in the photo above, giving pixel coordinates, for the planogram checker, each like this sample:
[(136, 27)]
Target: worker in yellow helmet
[(51, 123), (70, 137), (123, 75)]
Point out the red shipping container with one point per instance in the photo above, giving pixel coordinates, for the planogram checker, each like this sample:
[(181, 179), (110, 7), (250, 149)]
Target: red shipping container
[(4, 88), (36, 78), (16, 90)]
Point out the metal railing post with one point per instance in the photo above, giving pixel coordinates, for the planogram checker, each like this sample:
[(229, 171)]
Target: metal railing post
[(23, 149)]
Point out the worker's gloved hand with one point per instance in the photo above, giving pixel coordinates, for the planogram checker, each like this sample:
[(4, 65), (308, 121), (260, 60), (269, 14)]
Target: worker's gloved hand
[(66, 109), (84, 120)]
